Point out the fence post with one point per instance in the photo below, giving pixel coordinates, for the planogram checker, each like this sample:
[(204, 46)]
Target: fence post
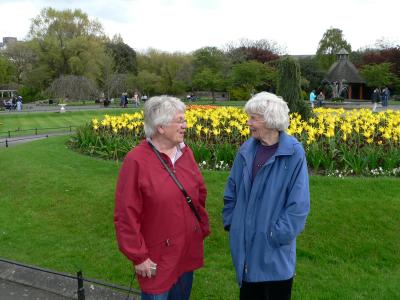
[(9, 133), (35, 131), (81, 289)]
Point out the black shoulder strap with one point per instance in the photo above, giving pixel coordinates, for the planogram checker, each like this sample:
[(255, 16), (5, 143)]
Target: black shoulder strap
[(180, 186)]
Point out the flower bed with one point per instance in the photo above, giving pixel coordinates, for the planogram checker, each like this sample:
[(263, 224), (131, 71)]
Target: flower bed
[(336, 141)]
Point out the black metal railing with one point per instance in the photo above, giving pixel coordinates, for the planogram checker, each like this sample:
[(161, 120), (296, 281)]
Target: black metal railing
[(35, 131), (79, 279), (7, 141)]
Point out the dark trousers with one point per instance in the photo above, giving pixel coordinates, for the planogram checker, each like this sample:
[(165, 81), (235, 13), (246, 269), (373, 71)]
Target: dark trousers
[(267, 290), (179, 291)]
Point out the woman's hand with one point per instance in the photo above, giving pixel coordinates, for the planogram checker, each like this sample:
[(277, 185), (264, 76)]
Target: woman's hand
[(144, 269)]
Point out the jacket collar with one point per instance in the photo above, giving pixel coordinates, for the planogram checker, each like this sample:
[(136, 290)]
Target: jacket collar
[(285, 147), (182, 148)]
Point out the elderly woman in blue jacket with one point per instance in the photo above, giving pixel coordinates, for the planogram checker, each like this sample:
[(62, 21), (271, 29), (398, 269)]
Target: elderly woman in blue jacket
[(266, 202)]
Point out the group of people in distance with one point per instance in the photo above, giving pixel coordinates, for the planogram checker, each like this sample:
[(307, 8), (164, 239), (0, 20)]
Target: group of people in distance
[(13, 104), (377, 96), (135, 99), (380, 96), (160, 212), (320, 99)]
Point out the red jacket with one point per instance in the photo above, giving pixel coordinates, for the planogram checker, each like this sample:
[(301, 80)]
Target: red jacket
[(153, 220)]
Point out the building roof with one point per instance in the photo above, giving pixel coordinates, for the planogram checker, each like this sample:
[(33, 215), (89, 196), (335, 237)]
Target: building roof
[(343, 51), (301, 56), (343, 69)]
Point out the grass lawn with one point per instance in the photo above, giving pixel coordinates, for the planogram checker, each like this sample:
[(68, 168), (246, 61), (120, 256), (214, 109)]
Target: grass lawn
[(44, 120), (394, 102), (57, 213)]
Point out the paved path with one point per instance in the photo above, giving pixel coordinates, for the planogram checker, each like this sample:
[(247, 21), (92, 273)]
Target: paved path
[(13, 141), (355, 105), (14, 291), (18, 282)]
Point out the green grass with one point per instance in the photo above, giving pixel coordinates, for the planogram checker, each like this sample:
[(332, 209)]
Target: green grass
[(45, 120), (394, 102), (57, 212)]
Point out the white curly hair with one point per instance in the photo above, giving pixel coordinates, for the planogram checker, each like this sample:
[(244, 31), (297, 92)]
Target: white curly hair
[(272, 108)]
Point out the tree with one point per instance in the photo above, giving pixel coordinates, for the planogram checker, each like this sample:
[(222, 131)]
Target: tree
[(146, 82), (384, 43), (386, 55), (38, 79), (116, 84), (169, 67), (7, 71), (260, 50), (289, 86), (210, 58), (124, 57), (74, 88), (22, 56), (105, 79), (67, 42), (210, 69), (248, 75), (378, 75), (185, 73), (311, 72), (330, 44), (64, 25), (208, 80)]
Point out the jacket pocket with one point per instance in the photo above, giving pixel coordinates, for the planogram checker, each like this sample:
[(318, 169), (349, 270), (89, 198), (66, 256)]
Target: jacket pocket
[(166, 252), (204, 222)]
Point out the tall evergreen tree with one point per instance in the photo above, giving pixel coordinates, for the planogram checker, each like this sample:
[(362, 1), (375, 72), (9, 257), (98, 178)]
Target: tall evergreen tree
[(124, 57), (289, 86)]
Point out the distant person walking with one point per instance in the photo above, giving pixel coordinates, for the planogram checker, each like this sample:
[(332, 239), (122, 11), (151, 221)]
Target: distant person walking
[(385, 97), (376, 98), (136, 101), (320, 99), (126, 100), (19, 103), (14, 102), (312, 98), (122, 100)]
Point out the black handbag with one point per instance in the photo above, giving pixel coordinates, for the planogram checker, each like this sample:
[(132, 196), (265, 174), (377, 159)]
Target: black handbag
[(180, 186)]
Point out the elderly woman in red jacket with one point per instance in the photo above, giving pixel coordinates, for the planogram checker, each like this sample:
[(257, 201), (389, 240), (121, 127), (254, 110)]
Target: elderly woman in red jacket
[(159, 229)]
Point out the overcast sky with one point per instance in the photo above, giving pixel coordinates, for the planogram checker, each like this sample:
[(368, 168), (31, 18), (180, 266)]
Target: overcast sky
[(186, 25)]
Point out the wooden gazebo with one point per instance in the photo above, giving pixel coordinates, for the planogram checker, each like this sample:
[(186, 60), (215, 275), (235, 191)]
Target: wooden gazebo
[(343, 71)]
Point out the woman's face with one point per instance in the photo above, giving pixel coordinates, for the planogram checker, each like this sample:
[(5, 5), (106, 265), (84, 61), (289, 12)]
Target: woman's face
[(175, 130), (257, 126)]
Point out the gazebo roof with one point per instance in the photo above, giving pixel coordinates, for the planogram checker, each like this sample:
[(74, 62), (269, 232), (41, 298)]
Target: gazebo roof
[(343, 51), (343, 69)]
